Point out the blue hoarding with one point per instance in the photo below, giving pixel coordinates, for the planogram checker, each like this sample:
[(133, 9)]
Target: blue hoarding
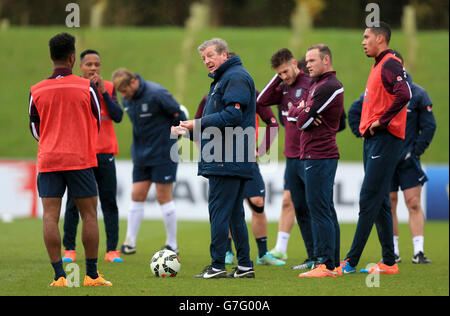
[(437, 192)]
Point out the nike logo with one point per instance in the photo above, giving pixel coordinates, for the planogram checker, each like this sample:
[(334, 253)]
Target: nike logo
[(167, 177), (307, 168), (375, 157), (111, 159), (128, 249), (209, 275), (383, 270), (285, 92), (421, 178), (261, 191)]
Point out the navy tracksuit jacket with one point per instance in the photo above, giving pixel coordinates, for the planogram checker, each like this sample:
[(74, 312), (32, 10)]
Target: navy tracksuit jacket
[(226, 158)]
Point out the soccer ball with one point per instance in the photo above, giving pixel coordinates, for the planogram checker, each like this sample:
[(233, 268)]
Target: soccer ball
[(165, 263)]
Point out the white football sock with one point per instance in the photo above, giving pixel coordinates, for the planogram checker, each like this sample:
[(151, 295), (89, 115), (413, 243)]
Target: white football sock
[(396, 250), (418, 244), (282, 241), (135, 216), (170, 222)]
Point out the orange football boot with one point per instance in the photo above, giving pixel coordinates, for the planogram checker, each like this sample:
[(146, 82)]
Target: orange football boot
[(113, 256), (320, 271), (69, 256), (61, 282), (382, 268), (100, 281)]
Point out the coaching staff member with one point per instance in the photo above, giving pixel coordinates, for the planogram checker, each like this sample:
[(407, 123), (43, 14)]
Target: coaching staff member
[(231, 103), (383, 123), (65, 119)]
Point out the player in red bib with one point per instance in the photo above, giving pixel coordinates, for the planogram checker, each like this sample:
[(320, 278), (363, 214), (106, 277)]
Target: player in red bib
[(105, 173), (383, 123), (65, 118)]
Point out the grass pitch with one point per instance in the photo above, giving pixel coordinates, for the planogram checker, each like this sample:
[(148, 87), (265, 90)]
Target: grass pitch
[(25, 268)]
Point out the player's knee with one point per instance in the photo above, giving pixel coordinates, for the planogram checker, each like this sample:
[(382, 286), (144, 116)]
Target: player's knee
[(413, 204), (287, 203), (163, 197), (138, 196), (257, 204), (393, 196)]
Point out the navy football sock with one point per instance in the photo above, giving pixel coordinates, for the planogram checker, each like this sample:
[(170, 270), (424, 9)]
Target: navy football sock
[(91, 268), (262, 246), (59, 270)]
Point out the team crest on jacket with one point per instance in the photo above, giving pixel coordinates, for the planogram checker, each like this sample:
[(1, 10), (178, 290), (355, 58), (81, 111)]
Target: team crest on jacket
[(144, 107), (298, 93)]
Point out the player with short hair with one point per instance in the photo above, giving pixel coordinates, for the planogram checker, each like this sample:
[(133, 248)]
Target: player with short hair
[(65, 119), (409, 176), (105, 172), (319, 156), (152, 111), (383, 122), (289, 86)]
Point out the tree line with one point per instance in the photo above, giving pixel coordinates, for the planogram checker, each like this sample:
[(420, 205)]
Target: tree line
[(430, 14)]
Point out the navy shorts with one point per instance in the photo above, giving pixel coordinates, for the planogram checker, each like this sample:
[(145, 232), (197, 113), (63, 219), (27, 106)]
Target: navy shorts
[(256, 186), (408, 174), (80, 183), (166, 173)]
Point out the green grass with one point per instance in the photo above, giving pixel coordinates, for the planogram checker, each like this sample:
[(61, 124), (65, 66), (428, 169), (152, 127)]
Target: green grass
[(25, 268), (155, 53)]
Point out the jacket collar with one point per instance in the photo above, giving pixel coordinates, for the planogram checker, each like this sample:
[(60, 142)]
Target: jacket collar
[(141, 88), (57, 72), (233, 61), (325, 75), (381, 56)]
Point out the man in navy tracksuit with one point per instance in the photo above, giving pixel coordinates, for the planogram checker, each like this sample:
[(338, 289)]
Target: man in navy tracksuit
[(409, 176), (227, 144), (152, 111)]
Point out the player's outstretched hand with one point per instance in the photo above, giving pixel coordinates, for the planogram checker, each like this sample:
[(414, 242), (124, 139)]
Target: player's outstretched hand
[(189, 124), (178, 130)]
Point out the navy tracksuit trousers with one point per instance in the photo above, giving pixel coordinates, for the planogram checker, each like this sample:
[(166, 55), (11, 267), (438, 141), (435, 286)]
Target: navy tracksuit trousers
[(295, 182), (319, 177), (226, 212), (105, 175), (381, 154)]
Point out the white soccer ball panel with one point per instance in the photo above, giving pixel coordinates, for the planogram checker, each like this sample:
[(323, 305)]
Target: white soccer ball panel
[(165, 263)]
